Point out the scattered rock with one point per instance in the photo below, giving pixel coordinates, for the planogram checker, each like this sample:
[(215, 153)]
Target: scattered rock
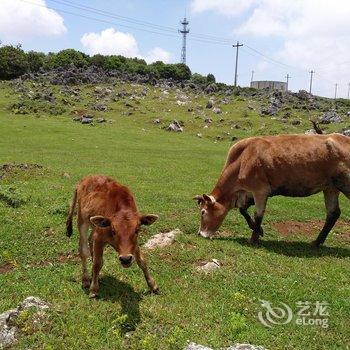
[(217, 110), (209, 266), (175, 126), (210, 104), (101, 120), (330, 117), (9, 329), (346, 132), (162, 239), (295, 122), (194, 346), (86, 120), (310, 132), (271, 110), (66, 175), (199, 135), (157, 121), (208, 120), (303, 95), (100, 107)]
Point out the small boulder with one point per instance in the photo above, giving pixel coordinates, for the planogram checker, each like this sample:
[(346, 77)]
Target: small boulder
[(217, 110), (330, 117), (175, 126), (162, 239), (210, 104), (209, 266)]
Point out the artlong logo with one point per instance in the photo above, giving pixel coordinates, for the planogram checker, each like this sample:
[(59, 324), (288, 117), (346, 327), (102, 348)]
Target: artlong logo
[(275, 315), (306, 315)]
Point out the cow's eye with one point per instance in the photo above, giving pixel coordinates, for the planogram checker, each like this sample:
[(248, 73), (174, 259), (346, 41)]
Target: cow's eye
[(203, 211)]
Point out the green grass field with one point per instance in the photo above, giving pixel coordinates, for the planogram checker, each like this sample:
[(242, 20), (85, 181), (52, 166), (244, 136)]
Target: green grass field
[(164, 170)]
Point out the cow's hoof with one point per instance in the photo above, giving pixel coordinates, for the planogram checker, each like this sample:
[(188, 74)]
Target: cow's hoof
[(315, 244), (86, 283), (254, 241), (155, 290)]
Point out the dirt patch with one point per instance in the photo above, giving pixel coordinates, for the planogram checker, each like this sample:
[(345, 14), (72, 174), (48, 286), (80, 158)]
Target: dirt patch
[(341, 229), (6, 268), (62, 258), (9, 169)]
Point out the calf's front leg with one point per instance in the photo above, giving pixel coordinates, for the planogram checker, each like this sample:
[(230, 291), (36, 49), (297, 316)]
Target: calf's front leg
[(97, 262), (141, 262)]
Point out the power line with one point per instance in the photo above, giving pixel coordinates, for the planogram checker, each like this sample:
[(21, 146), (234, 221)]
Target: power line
[(121, 25)]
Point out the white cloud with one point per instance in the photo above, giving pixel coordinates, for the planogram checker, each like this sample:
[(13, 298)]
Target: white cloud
[(157, 54), (21, 20), (112, 42), (224, 7)]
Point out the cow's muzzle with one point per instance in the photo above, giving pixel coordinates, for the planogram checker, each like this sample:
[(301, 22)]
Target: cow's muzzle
[(204, 234), (126, 260)]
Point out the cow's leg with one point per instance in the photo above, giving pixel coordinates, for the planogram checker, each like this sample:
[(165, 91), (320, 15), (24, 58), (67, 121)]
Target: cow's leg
[(84, 252), (141, 262), (260, 200), (244, 212), (97, 262), (331, 198)]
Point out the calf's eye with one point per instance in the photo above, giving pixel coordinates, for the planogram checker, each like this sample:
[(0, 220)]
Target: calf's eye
[(203, 211)]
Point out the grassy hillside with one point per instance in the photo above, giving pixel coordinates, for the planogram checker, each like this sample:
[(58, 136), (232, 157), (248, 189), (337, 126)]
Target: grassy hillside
[(164, 170)]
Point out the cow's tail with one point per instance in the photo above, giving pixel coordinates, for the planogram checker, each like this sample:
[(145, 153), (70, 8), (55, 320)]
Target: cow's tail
[(69, 222)]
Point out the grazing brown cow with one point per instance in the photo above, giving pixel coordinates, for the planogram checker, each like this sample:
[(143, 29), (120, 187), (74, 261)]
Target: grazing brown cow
[(287, 165), (110, 209)]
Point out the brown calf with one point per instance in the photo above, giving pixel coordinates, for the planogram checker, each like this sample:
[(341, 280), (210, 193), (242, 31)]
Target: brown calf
[(110, 209), (287, 165)]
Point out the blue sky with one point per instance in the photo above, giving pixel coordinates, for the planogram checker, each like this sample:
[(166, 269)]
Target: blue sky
[(279, 36)]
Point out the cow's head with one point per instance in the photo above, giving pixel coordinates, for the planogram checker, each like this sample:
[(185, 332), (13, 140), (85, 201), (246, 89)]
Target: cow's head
[(121, 232), (212, 214)]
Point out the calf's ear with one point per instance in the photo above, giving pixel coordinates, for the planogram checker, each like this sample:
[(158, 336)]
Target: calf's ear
[(199, 199), (148, 219), (100, 221), (209, 199)]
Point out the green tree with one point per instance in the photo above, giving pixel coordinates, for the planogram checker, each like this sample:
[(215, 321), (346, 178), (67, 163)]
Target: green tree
[(98, 60), (198, 78), (13, 62), (68, 57), (211, 78), (36, 60)]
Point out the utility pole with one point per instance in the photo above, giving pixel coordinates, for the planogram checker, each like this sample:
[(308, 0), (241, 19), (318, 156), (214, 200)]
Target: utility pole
[(252, 77), (335, 91), (288, 77), (184, 31), (312, 72), (236, 46), (348, 90)]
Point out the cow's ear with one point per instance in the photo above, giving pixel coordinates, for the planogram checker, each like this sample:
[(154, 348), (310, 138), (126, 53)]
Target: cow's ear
[(148, 219), (209, 199), (199, 199), (100, 221)]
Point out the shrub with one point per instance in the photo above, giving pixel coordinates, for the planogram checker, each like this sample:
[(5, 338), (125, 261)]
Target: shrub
[(211, 78), (69, 57), (36, 60), (13, 62)]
